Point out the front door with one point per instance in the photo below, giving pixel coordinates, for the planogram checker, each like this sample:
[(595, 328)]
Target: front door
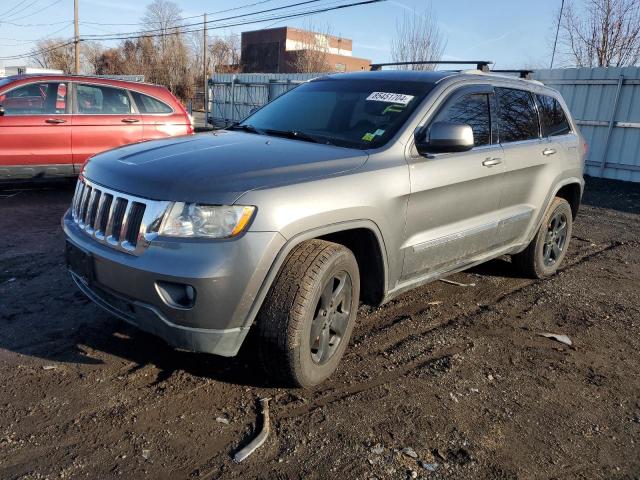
[(104, 118), (455, 196), (35, 131)]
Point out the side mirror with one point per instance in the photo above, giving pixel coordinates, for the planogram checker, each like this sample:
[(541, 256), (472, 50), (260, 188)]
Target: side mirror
[(444, 137), (1, 111)]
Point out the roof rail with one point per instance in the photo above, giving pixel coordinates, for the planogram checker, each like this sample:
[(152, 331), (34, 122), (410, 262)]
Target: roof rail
[(525, 74), (482, 65)]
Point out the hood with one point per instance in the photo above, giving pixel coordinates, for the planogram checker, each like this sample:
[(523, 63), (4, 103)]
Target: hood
[(216, 168)]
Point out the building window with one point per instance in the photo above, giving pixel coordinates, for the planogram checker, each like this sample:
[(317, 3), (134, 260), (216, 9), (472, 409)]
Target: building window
[(341, 67)]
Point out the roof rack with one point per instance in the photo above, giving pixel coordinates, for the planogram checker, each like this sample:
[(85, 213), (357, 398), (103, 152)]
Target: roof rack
[(482, 65), (525, 74)]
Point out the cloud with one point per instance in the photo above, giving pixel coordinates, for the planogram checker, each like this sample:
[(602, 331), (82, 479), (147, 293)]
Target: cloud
[(403, 6)]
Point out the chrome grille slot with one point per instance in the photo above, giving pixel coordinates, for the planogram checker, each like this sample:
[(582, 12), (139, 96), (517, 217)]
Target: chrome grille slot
[(115, 219), (103, 214), (93, 209), (133, 227), (84, 203)]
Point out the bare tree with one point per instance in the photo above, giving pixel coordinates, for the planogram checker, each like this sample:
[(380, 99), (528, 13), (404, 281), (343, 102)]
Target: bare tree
[(312, 48), (418, 38), (602, 33), (54, 53)]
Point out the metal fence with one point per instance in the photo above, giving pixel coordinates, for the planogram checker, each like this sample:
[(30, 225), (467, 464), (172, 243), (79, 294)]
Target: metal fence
[(233, 96), (604, 101), (606, 104)]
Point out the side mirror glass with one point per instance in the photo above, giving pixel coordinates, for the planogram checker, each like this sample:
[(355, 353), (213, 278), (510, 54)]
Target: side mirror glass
[(444, 137)]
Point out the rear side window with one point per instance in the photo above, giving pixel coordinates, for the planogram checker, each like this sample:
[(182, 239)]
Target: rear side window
[(147, 104), (518, 116), (48, 98), (472, 110), (99, 100), (552, 117)]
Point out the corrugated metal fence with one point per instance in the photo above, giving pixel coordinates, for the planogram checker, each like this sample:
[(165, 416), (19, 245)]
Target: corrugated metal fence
[(233, 96), (606, 104), (604, 101)]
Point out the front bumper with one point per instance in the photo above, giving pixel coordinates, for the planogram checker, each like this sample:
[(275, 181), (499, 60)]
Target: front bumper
[(226, 275)]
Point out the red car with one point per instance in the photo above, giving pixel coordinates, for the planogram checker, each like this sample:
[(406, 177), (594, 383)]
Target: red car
[(51, 124)]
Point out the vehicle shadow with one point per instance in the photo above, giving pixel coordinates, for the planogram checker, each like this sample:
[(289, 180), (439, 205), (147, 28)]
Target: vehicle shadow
[(612, 194), (143, 349), (498, 267)]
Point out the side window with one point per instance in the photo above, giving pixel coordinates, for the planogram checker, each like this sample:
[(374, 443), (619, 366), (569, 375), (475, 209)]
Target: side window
[(49, 98), (518, 116), (99, 100), (147, 104), (472, 110), (552, 117)]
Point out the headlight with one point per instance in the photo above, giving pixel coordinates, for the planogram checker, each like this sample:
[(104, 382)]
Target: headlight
[(209, 221)]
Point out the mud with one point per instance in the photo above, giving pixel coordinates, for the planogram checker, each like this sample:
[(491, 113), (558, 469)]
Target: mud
[(445, 381)]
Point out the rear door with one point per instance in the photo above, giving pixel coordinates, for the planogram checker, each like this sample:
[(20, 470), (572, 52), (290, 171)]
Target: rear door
[(159, 118), (529, 161), (104, 118), (451, 215), (35, 131)]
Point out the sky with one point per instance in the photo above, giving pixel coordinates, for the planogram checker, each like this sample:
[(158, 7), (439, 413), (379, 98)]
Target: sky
[(512, 33)]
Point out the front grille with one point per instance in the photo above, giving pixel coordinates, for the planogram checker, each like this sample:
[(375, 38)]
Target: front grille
[(113, 218)]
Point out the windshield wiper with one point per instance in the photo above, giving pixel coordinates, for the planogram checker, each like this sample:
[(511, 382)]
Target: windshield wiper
[(245, 128), (297, 135)]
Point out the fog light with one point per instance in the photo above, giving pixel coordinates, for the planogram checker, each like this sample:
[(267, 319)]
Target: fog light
[(176, 295)]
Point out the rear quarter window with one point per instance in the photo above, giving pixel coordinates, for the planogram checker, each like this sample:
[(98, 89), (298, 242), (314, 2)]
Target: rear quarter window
[(517, 114), (147, 104), (552, 117)]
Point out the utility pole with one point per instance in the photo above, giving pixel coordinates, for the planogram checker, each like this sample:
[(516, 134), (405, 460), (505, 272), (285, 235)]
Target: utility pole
[(76, 41), (205, 46)]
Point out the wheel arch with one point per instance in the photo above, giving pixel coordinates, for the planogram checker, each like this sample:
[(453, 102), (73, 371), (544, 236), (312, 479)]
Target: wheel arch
[(344, 233)]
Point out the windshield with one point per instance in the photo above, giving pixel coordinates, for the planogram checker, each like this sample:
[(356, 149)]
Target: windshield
[(350, 113)]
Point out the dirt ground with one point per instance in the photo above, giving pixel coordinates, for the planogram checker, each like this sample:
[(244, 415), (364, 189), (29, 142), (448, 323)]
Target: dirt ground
[(444, 382)]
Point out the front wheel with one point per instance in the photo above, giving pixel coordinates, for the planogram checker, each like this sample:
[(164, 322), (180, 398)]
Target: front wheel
[(543, 255), (305, 323)]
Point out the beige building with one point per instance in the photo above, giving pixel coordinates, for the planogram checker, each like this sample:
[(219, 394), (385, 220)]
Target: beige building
[(291, 50)]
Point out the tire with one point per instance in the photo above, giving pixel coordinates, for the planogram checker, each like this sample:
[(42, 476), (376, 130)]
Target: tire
[(545, 253), (308, 286)]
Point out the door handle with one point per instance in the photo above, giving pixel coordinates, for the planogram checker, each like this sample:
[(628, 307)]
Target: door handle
[(130, 120), (55, 121), (548, 151), (492, 162)]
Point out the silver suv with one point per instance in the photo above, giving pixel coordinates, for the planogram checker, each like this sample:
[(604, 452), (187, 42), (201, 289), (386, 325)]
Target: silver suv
[(350, 188)]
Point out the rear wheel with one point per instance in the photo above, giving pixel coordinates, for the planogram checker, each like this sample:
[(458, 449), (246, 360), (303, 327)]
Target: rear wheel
[(306, 320), (547, 250)]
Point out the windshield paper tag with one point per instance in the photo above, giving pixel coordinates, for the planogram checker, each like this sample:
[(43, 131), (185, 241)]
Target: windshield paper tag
[(398, 98)]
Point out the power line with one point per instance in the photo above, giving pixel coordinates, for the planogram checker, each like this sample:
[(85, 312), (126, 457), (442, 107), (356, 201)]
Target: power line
[(249, 22), (176, 27), (24, 8), (55, 2), (555, 43), (132, 24), (13, 8)]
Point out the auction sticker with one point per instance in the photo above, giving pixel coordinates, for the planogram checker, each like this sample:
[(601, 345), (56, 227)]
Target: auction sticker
[(386, 97)]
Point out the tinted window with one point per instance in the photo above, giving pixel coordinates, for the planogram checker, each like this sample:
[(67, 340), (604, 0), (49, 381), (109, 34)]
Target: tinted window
[(49, 98), (552, 117), (350, 113), (147, 104), (472, 110), (99, 100), (518, 116)]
